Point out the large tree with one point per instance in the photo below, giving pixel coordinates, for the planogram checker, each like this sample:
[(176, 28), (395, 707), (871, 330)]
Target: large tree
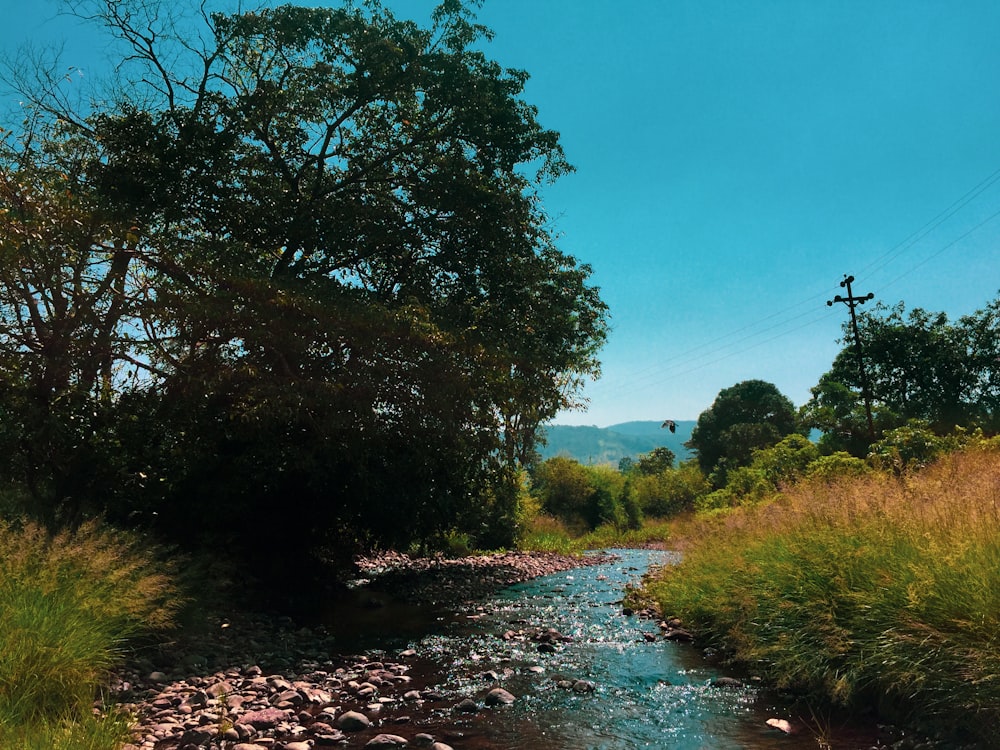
[(351, 298), (748, 416), (920, 366), (68, 302)]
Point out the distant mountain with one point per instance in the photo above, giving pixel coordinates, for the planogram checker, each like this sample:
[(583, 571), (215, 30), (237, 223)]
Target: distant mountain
[(608, 445)]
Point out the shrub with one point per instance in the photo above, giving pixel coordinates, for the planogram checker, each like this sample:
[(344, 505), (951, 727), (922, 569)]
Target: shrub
[(563, 488), (548, 534), (908, 447), (786, 461), (838, 465), (605, 502), (670, 492), (715, 501), (67, 604), (583, 497)]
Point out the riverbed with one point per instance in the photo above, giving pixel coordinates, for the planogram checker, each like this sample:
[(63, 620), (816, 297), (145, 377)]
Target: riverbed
[(643, 691), (551, 663)]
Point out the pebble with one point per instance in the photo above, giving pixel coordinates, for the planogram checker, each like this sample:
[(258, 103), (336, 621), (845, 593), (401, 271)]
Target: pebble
[(277, 687)]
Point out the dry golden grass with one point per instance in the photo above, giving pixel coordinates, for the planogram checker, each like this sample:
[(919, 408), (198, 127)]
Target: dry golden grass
[(872, 588)]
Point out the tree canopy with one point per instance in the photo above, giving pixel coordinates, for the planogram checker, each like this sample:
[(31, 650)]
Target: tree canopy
[(743, 418), (920, 366), (300, 255)]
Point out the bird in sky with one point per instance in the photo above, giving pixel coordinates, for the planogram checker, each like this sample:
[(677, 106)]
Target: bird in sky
[(670, 425)]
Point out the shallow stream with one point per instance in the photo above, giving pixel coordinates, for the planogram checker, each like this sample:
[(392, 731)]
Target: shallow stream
[(657, 694)]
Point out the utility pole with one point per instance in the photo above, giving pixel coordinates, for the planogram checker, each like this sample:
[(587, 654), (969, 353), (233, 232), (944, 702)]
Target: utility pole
[(851, 301)]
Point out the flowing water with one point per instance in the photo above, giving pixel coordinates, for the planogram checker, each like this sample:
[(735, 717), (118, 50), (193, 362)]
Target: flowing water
[(646, 694)]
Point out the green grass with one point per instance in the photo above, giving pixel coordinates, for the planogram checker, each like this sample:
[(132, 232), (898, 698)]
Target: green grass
[(107, 732), (547, 534), (67, 605), (868, 591)]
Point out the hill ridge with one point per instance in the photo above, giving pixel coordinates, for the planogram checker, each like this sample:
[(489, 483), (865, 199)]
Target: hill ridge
[(608, 445)]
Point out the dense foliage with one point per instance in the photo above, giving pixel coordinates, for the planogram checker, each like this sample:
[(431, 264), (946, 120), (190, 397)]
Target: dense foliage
[(748, 416), (920, 366), (292, 283)]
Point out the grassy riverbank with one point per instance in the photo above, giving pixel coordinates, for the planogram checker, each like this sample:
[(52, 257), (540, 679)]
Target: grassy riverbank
[(870, 591), (67, 605), (547, 534)]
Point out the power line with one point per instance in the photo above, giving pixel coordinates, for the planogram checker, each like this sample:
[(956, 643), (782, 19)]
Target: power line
[(657, 373), (913, 238), (935, 254)]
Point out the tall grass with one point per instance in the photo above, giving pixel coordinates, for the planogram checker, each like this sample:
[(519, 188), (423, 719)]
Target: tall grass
[(67, 604), (872, 590)]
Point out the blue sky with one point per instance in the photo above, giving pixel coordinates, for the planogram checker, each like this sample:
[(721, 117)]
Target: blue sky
[(734, 160)]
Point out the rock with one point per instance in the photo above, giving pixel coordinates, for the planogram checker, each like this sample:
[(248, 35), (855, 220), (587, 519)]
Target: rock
[(219, 689), (157, 677), (782, 725), (386, 741), (198, 736), (499, 697), (296, 746), (248, 746), (550, 635), (266, 718), (321, 727), (327, 715), (583, 686), (546, 648), (352, 721), (678, 634), (198, 698), (288, 697), (467, 706), (329, 740)]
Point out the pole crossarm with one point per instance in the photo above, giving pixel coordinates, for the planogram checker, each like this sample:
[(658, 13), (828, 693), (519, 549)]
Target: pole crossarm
[(851, 301)]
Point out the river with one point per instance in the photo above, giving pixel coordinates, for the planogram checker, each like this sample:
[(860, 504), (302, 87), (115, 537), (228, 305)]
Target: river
[(647, 694)]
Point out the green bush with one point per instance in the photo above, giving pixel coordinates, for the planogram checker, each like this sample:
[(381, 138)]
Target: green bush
[(715, 501), (786, 461), (670, 492), (583, 497), (910, 447), (68, 602), (836, 466)]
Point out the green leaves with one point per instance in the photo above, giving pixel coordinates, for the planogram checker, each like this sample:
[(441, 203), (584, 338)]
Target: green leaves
[(746, 417), (340, 281), (921, 367)]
